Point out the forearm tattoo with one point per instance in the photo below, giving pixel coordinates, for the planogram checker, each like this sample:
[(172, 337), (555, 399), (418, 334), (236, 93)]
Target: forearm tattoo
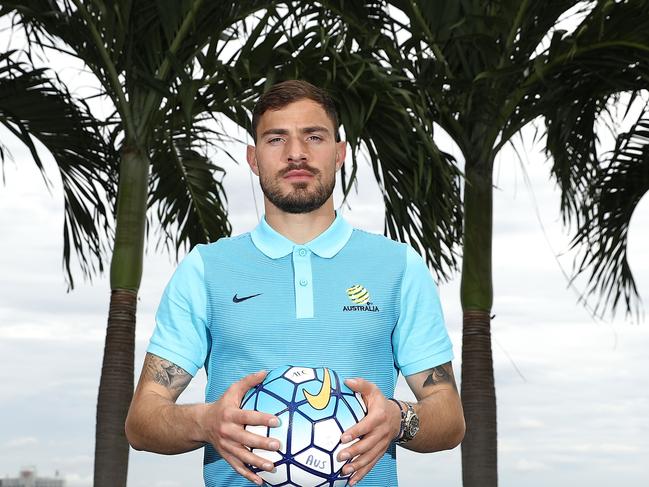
[(442, 374), (166, 373)]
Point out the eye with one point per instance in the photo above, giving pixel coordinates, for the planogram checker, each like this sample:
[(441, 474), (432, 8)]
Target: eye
[(275, 140), (314, 138)]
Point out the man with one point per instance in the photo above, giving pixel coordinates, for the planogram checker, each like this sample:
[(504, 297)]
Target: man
[(277, 296)]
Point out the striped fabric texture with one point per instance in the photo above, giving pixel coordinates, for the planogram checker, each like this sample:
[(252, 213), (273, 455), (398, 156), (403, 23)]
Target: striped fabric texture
[(353, 301)]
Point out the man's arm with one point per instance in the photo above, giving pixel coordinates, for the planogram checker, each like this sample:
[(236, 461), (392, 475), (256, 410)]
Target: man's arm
[(156, 423), (438, 407)]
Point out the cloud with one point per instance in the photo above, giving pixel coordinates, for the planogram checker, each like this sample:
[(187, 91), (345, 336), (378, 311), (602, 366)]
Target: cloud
[(530, 423), (605, 448), (76, 480), (525, 465), (21, 442), (75, 461), (55, 330)]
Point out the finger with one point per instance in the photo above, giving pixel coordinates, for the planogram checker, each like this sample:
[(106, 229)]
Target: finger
[(242, 386), (358, 476), (368, 457), (358, 384), (363, 427), (359, 447), (363, 464), (242, 470), (252, 440), (250, 458), (253, 418), (252, 436), (247, 457)]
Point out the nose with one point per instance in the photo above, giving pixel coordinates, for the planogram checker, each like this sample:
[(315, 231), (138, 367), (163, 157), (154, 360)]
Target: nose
[(296, 151)]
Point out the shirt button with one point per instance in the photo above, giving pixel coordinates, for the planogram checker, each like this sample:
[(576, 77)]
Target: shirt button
[(303, 282), (302, 252)]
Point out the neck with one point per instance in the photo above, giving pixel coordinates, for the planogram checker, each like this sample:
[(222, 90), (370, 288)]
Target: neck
[(300, 227)]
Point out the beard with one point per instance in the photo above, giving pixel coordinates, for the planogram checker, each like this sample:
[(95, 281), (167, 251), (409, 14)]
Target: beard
[(300, 199)]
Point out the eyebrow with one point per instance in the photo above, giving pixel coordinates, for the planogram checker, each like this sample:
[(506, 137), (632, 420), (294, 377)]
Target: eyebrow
[(306, 130), (315, 128)]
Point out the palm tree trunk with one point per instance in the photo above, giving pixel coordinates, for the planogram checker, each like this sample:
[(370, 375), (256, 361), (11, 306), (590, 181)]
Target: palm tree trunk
[(116, 383), (479, 448), (115, 390)]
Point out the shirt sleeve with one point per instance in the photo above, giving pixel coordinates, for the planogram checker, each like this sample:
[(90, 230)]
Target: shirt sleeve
[(420, 340), (181, 333)]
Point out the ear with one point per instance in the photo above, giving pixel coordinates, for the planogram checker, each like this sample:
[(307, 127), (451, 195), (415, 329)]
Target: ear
[(341, 152), (251, 157)]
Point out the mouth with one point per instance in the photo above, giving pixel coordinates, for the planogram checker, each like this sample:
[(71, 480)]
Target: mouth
[(298, 174)]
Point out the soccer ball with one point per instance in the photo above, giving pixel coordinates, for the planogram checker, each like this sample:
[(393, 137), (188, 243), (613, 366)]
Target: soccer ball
[(314, 407)]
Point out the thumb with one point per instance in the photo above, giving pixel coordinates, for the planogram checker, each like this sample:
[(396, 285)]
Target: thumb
[(358, 384), (242, 386)]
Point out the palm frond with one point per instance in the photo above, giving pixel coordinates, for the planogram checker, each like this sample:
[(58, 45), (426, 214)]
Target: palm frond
[(187, 194), (606, 213), (420, 183), (573, 83), (35, 107), (380, 110)]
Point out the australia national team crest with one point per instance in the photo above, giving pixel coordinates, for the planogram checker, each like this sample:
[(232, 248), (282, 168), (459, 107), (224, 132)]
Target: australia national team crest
[(360, 297)]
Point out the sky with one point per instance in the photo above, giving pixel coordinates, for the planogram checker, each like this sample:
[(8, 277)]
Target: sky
[(572, 391)]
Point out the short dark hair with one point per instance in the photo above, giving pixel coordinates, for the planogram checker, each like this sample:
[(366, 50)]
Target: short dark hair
[(287, 92)]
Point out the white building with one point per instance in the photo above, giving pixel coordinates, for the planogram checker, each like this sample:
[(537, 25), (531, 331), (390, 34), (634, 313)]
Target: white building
[(28, 478)]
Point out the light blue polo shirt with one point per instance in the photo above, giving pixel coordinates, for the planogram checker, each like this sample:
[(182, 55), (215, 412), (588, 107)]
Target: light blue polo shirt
[(357, 302)]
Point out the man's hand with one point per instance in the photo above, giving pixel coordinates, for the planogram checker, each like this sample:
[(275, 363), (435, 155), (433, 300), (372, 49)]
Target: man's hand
[(224, 422), (156, 423), (376, 430)]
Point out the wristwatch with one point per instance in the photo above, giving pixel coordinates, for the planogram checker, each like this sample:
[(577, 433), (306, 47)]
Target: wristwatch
[(409, 422)]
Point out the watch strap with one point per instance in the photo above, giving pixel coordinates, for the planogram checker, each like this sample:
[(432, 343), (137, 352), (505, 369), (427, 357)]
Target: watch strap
[(402, 426), (409, 417)]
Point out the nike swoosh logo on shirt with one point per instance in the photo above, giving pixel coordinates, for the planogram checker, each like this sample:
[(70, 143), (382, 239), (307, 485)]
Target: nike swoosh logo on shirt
[(237, 299), (321, 399)]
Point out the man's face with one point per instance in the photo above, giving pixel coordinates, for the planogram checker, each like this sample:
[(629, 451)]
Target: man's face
[(296, 156)]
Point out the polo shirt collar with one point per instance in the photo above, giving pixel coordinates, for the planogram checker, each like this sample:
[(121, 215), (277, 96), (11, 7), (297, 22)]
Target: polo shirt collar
[(327, 244)]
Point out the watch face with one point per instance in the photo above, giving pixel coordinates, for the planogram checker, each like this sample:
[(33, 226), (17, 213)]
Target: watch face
[(413, 426)]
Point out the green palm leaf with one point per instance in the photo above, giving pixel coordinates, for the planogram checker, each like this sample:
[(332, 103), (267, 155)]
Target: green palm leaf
[(573, 86), (602, 239), (34, 108), (187, 198), (419, 183)]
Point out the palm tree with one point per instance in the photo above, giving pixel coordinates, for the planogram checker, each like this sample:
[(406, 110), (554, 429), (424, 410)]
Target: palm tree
[(36, 106), (487, 69), (167, 68), (385, 116), (142, 55)]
